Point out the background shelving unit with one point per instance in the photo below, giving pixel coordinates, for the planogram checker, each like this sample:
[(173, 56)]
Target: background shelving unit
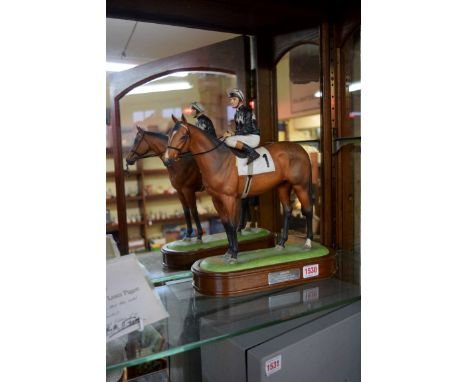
[(151, 203)]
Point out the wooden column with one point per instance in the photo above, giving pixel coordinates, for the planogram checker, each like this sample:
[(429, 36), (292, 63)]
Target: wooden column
[(328, 100), (269, 212), (119, 176)]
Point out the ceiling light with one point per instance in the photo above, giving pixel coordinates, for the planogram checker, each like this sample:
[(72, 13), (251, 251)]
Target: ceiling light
[(176, 74), (355, 86), (156, 88), (179, 74), (118, 66), (318, 94)]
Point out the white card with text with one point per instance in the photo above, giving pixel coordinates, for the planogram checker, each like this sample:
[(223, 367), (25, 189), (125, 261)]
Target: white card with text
[(130, 302)]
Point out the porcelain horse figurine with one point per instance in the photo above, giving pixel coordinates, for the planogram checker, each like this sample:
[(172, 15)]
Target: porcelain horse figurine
[(217, 164), (184, 175)]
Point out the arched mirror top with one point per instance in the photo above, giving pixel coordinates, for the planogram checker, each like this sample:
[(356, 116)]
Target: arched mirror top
[(282, 44), (151, 104), (177, 80), (298, 93)]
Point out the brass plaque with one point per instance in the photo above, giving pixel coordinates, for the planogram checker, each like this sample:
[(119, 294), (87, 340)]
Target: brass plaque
[(282, 276)]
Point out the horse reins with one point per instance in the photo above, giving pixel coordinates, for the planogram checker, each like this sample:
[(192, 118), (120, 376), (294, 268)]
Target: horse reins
[(189, 153)]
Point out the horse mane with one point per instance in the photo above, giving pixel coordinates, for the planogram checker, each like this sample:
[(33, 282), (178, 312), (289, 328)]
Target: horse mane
[(215, 141), (155, 134)]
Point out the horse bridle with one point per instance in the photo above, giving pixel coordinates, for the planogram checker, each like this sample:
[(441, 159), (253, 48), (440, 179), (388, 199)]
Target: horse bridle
[(138, 156)]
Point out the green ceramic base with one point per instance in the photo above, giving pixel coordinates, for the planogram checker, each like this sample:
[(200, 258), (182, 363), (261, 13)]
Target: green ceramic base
[(215, 240), (263, 257)]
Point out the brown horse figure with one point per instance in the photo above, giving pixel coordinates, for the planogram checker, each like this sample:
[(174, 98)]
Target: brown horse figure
[(184, 175), (218, 166)]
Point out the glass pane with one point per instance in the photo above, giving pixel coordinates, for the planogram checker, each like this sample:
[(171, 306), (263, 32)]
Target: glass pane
[(352, 74), (350, 220), (154, 213), (298, 94), (357, 198), (298, 97), (195, 320), (157, 273), (349, 159)]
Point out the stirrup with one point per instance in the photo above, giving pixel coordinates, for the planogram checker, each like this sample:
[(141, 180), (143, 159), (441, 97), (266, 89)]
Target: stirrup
[(252, 157)]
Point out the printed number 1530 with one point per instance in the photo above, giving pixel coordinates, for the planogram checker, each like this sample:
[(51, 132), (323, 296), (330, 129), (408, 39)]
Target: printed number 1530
[(310, 270)]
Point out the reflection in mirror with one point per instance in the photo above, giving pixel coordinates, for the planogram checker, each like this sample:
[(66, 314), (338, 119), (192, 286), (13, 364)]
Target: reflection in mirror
[(352, 74), (351, 127), (298, 94), (349, 161), (151, 105), (298, 105), (155, 215)]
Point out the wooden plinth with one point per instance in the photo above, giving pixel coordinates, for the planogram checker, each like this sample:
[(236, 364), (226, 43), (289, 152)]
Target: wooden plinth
[(180, 259), (262, 278)]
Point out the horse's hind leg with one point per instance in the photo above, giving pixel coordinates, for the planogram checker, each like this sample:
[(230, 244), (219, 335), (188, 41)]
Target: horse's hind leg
[(192, 202), (245, 214), (197, 223), (248, 216), (188, 221), (306, 208), (284, 192)]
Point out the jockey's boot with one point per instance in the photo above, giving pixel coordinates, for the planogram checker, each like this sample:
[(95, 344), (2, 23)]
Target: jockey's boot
[(251, 153)]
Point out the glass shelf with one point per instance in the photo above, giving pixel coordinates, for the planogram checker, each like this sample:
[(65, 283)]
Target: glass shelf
[(157, 272), (195, 320)]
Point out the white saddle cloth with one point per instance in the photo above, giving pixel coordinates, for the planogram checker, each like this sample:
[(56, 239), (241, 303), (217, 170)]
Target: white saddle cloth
[(262, 164)]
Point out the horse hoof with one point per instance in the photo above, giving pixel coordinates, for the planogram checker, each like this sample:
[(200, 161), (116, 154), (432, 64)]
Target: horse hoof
[(186, 238), (231, 260), (308, 244), (199, 240), (279, 247)]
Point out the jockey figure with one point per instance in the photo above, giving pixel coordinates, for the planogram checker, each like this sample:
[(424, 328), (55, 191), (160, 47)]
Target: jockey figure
[(203, 122), (247, 135)]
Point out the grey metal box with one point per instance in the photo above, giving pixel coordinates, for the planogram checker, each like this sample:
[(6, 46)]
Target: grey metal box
[(321, 347)]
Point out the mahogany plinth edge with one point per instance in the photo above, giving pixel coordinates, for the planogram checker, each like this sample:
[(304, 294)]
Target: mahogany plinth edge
[(184, 260), (254, 280)]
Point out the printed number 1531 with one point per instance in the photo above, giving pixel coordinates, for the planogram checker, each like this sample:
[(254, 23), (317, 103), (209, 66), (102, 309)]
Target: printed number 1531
[(273, 365)]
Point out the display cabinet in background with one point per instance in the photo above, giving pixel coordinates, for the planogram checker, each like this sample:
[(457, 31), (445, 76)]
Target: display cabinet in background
[(154, 213)]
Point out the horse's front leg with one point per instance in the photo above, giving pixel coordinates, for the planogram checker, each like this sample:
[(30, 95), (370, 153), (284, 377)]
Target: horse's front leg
[(231, 207), (192, 202), (227, 207), (188, 221)]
